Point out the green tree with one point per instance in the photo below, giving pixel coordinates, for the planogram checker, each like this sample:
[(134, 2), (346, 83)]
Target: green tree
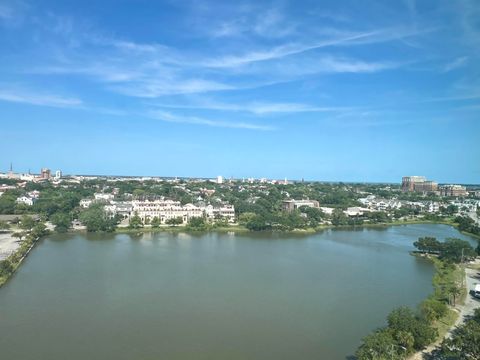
[(433, 309), (27, 222), (61, 221), (258, 223), (95, 219), (155, 223), (39, 230), (175, 221), (464, 344), (456, 250), (377, 346), (197, 223), (246, 217), (339, 217), (428, 245), (455, 291), (6, 267), (404, 319), (135, 222)]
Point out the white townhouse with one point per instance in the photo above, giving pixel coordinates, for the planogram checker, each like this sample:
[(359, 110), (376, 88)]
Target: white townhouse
[(25, 200), (169, 209)]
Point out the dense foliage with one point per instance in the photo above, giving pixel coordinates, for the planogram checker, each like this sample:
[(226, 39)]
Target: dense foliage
[(95, 219), (467, 224), (464, 344), (451, 250), (406, 332)]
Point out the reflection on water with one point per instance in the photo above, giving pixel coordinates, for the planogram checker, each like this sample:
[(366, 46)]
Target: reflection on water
[(211, 296)]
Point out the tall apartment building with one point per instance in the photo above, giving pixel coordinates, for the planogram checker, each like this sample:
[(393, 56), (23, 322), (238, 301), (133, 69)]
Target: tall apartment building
[(45, 173), (418, 184)]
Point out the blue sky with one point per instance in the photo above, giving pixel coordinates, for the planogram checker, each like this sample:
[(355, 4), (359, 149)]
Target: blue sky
[(324, 90)]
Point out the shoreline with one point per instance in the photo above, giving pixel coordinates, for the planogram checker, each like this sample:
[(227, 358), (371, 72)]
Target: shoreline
[(243, 229), (462, 311), (23, 253)]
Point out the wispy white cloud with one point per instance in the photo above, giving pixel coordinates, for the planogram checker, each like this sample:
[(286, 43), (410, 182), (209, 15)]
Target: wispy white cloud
[(295, 48), (277, 52), (257, 108), (157, 87), (455, 64), (269, 22), (33, 98), (169, 117)]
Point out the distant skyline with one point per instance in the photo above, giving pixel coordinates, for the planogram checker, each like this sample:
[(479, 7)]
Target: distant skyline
[(323, 90)]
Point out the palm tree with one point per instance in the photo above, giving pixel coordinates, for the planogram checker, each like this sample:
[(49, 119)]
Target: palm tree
[(455, 291)]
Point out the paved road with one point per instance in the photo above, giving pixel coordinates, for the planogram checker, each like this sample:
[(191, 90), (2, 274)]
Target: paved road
[(471, 303)]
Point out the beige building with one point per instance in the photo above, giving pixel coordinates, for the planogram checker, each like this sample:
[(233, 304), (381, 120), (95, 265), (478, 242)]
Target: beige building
[(169, 209), (291, 205), (418, 184), (453, 190)]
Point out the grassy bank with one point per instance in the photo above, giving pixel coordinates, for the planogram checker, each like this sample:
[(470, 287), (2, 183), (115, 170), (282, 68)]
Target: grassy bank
[(448, 277)]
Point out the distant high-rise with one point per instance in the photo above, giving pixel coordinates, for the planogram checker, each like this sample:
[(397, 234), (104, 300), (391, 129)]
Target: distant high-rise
[(58, 174), (409, 182), (45, 173), (418, 184), (219, 179)]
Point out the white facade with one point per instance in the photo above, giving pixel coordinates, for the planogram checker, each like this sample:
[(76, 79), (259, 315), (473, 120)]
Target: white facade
[(165, 210), (25, 200), (168, 209), (433, 207), (27, 177), (226, 212), (219, 179), (105, 197), (85, 203)]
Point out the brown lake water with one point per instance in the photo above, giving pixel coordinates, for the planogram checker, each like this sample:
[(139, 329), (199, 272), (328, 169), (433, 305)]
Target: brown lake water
[(211, 296)]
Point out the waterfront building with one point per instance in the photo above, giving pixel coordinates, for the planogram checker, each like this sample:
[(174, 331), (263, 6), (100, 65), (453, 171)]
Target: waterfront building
[(224, 211), (168, 209)]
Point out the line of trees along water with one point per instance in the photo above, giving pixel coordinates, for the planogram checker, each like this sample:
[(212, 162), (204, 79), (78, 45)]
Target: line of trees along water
[(410, 330), (31, 232)]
